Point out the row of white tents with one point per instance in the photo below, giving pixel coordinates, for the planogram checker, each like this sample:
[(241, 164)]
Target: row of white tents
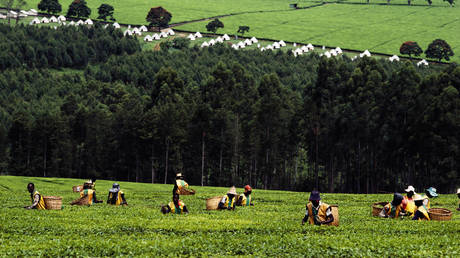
[(156, 36), (304, 49), (21, 14), (246, 42), (54, 19), (198, 35), (212, 42)]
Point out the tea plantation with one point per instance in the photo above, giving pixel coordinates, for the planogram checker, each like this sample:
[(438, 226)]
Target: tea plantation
[(272, 227)]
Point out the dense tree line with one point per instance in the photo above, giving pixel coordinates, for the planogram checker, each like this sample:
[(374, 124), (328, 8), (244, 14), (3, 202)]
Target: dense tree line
[(225, 117), (71, 47)]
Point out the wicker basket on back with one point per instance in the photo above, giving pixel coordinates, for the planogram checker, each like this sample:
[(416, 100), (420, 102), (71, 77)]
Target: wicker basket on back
[(53, 202), (77, 188), (184, 191), (335, 213), (81, 201), (440, 214), (377, 207), (213, 203)]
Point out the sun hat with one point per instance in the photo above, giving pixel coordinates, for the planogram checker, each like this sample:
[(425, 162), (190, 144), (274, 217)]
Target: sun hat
[(314, 196), (458, 191), (115, 188), (410, 189), (431, 191), (232, 190), (248, 188), (179, 175)]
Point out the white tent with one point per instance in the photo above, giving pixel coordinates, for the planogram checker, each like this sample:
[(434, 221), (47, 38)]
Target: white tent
[(338, 50), (143, 28), (354, 58), (24, 12), (53, 19), (304, 49), (163, 35), (270, 47), (191, 37), (310, 46), (394, 58), (365, 53), (276, 45), (89, 22), (254, 40), (205, 44), (333, 52), (80, 22), (212, 42), (298, 51), (128, 32), (116, 25), (282, 43), (45, 20), (247, 42), (170, 32), (235, 46), (63, 23), (12, 14), (106, 26), (241, 44), (423, 62), (219, 40), (4, 17), (294, 45), (34, 21), (262, 49), (32, 11), (71, 23), (148, 38), (61, 18), (135, 30), (327, 54), (258, 45), (198, 35), (226, 37)]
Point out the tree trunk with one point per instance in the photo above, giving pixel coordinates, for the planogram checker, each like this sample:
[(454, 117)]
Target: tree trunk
[(152, 164), (202, 158), (137, 167), (316, 158), (166, 160), (221, 151), (359, 168), (44, 157)]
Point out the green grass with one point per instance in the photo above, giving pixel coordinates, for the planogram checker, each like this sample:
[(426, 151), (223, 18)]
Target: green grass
[(377, 28), (272, 227), (135, 11)]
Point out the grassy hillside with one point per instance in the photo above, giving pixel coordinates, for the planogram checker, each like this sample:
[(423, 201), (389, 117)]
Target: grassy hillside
[(271, 227), (377, 28)]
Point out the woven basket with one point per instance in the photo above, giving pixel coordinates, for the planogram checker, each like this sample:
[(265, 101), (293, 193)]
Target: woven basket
[(440, 214), (377, 207), (335, 213), (53, 202), (77, 188), (184, 191), (81, 201), (213, 203)]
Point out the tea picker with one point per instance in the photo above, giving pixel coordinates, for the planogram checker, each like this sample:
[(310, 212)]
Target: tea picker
[(176, 206), (116, 196), (181, 187), (458, 195), (393, 209), (37, 199), (228, 201), (422, 212), (317, 212), (245, 198), (408, 201)]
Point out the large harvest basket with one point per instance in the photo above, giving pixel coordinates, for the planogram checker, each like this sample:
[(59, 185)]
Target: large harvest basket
[(213, 203), (184, 191), (377, 207), (335, 213), (77, 188), (440, 214), (53, 202), (81, 201)]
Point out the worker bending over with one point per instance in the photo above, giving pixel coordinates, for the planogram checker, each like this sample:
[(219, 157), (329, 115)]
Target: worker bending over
[(422, 212), (90, 193), (228, 201), (394, 208), (408, 202), (245, 198), (176, 206)]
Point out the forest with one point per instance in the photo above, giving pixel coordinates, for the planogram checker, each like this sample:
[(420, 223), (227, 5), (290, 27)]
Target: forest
[(88, 103)]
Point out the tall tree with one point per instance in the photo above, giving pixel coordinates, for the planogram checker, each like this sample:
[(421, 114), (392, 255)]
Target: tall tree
[(50, 6), (104, 11), (79, 9), (158, 17), (410, 48), (439, 49), (214, 25)]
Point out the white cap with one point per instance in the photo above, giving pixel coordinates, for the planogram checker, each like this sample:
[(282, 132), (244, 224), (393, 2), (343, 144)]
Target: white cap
[(458, 191), (410, 189)]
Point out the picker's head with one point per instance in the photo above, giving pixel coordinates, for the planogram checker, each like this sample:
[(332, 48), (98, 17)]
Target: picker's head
[(418, 200), (458, 192), (397, 199), (431, 192), (115, 188), (179, 176), (248, 189), (30, 187), (410, 190), (232, 191), (164, 209), (315, 198)]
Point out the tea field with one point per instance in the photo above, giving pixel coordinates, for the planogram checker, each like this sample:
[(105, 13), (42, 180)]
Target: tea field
[(271, 228)]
